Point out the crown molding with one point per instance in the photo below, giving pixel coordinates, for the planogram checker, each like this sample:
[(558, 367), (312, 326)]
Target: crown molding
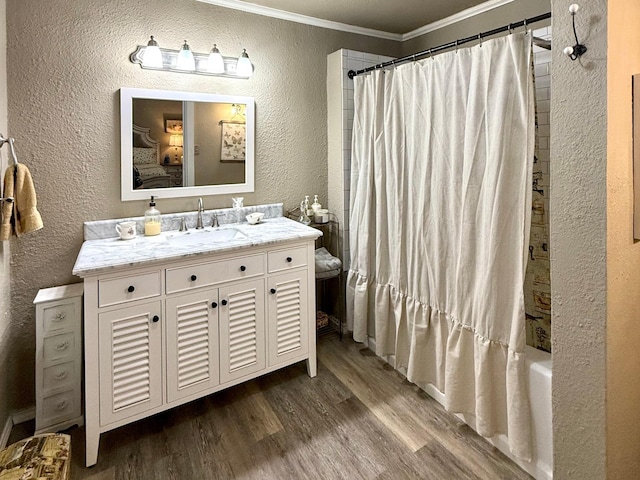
[(455, 18), (317, 22), (298, 18)]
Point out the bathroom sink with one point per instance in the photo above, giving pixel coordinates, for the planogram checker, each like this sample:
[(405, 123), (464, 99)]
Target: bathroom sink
[(204, 236)]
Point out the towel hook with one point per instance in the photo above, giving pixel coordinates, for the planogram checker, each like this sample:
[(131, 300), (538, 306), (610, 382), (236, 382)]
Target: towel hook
[(12, 149), (578, 49)]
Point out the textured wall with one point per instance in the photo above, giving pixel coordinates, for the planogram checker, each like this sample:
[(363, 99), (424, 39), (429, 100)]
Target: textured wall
[(515, 11), (4, 246), (623, 254), (70, 57), (578, 226)]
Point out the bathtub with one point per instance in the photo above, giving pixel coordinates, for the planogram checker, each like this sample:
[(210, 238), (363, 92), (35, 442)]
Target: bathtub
[(541, 465), (539, 366)]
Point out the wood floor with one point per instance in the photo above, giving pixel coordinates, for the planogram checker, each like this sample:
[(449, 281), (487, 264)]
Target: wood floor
[(358, 419)]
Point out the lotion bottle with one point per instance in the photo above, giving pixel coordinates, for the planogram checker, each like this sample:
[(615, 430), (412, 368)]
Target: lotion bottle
[(152, 220), (315, 206)]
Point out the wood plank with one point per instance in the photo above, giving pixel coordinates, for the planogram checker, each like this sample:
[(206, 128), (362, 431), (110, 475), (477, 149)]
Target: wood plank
[(358, 419)]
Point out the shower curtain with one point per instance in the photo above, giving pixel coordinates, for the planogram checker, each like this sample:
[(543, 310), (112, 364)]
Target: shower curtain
[(442, 158)]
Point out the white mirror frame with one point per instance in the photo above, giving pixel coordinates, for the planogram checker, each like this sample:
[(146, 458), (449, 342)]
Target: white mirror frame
[(126, 145)]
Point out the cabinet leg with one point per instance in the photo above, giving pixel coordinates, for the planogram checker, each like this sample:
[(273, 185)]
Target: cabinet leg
[(92, 442), (312, 366)]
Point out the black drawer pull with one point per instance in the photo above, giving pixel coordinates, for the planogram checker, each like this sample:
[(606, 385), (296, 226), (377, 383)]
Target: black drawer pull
[(289, 259), (155, 319), (242, 268), (273, 290), (131, 289), (224, 302), (214, 305), (194, 278)]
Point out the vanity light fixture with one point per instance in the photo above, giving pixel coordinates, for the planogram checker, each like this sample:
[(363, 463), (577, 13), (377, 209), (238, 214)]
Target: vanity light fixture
[(245, 69), (578, 49), (216, 62), (185, 59), (153, 57)]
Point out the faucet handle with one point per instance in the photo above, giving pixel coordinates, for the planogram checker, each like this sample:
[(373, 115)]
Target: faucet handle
[(214, 219), (183, 225)]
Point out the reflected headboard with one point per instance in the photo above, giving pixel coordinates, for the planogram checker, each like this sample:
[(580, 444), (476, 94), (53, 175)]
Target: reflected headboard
[(146, 158)]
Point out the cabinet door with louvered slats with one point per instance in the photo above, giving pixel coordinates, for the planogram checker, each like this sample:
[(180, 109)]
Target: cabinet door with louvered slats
[(242, 330), (192, 343), (287, 307), (130, 361)]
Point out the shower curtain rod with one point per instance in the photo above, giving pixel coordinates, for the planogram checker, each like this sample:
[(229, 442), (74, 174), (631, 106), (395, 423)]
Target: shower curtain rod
[(416, 56)]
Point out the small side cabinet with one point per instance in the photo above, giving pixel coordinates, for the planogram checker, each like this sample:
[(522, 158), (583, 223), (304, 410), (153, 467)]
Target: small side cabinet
[(58, 358)]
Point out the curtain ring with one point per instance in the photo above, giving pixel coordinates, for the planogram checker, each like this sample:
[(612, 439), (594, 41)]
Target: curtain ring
[(480, 39), (430, 54), (393, 63), (525, 25), (457, 46), (510, 29)]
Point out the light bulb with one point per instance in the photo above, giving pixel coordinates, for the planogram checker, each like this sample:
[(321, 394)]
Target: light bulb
[(573, 8), (216, 62), (244, 68), (152, 57), (568, 51), (185, 59)]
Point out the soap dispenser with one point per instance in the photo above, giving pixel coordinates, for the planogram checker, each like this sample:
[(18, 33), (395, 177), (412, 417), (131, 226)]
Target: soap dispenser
[(152, 219), (315, 206)]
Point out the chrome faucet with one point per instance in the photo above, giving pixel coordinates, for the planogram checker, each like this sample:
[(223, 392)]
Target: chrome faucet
[(200, 210)]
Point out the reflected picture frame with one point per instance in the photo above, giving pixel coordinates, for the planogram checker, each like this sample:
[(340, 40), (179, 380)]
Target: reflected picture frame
[(173, 126)]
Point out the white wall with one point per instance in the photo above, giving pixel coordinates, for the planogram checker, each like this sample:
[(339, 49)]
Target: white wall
[(578, 225), (4, 246)]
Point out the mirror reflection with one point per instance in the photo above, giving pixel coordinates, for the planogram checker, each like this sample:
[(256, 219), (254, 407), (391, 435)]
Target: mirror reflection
[(183, 144)]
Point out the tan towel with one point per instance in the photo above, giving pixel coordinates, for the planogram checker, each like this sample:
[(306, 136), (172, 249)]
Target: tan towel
[(21, 215)]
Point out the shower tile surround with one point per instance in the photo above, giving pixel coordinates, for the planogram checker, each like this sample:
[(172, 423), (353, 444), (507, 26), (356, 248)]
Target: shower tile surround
[(537, 280)]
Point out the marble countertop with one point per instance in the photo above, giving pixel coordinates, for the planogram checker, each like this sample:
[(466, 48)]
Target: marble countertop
[(101, 255)]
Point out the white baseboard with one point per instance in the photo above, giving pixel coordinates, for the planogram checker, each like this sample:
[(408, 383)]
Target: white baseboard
[(19, 416)]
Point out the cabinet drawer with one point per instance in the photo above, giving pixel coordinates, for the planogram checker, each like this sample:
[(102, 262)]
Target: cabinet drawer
[(59, 348), (60, 406), (126, 289), (205, 274), (280, 260), (59, 376), (60, 317)]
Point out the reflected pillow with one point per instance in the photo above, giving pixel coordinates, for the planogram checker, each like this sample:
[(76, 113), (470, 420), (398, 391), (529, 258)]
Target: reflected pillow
[(143, 156)]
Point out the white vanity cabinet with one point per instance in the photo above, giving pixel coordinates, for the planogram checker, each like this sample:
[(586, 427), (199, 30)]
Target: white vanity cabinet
[(162, 335)]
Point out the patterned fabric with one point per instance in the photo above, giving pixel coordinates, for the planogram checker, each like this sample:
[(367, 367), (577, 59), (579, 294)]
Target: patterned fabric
[(147, 171), (143, 156), (42, 457)]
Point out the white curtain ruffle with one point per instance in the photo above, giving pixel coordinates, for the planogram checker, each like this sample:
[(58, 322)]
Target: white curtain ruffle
[(439, 228)]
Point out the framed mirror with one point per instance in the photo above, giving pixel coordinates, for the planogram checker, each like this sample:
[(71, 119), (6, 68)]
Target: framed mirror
[(182, 144)]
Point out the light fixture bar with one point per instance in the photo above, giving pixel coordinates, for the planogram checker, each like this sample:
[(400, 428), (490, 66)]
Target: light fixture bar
[(170, 60)]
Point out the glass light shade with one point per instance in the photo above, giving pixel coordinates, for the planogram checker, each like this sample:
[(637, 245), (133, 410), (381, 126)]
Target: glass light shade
[(215, 63), (175, 141), (185, 59), (244, 69), (152, 57)]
